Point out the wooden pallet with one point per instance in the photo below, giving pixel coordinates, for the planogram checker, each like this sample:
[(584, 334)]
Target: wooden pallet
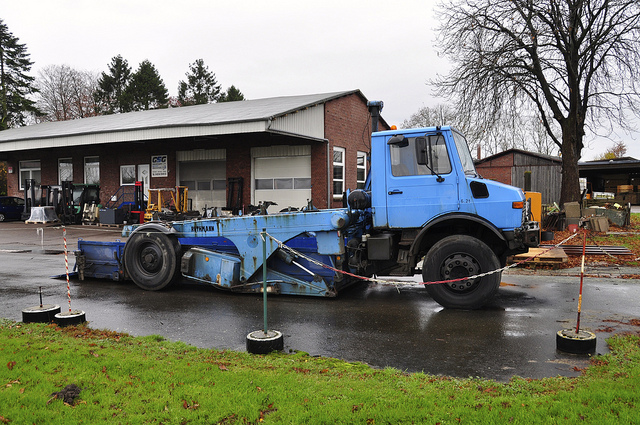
[(552, 256), (112, 225), (41, 221)]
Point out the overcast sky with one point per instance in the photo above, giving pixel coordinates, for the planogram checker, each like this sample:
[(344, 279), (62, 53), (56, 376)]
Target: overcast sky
[(264, 48)]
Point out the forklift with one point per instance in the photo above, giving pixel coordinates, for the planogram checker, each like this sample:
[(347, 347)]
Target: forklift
[(76, 198), (170, 204)]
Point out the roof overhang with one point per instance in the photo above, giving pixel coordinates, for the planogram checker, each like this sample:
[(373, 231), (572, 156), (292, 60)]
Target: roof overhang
[(135, 135)]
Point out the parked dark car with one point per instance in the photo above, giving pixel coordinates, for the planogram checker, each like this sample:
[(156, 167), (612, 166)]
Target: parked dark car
[(11, 208)]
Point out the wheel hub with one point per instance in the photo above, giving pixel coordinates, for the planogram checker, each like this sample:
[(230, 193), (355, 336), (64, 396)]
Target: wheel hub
[(458, 266), (150, 259)]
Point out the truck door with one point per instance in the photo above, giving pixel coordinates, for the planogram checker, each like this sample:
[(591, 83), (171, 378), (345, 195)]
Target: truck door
[(420, 180)]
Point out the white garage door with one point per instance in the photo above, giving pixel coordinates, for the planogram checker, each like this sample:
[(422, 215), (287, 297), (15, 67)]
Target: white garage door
[(283, 179), (204, 173)]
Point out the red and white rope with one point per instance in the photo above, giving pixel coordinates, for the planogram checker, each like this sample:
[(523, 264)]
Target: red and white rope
[(399, 282)]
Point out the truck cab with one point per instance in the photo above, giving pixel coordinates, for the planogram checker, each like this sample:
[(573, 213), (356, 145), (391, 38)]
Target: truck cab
[(426, 196)]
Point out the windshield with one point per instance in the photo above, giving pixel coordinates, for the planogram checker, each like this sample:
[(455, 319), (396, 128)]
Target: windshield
[(465, 155)]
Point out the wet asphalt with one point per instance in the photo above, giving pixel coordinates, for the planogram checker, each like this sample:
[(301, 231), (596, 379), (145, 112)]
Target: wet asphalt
[(382, 325)]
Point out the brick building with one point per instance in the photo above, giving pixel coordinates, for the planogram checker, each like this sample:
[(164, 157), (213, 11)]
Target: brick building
[(285, 150)]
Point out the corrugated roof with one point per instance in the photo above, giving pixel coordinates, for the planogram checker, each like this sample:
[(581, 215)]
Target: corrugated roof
[(209, 119), (520, 151), (624, 162)]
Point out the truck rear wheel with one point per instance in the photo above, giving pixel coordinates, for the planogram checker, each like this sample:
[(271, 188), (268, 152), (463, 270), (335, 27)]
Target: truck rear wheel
[(456, 257), (151, 260)]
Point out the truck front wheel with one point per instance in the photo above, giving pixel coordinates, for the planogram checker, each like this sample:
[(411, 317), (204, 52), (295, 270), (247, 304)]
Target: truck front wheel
[(151, 260), (455, 257)]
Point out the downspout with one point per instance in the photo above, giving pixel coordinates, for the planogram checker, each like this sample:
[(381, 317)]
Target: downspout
[(329, 169)]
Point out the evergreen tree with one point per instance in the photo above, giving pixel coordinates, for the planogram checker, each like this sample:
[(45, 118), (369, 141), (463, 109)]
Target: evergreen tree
[(201, 86), (231, 95), (15, 84), (147, 88), (112, 95)]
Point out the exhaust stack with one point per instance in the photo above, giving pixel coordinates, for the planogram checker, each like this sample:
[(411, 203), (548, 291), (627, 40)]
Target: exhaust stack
[(375, 106)]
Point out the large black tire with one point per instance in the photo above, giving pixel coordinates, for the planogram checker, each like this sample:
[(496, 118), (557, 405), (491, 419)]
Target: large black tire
[(152, 259), (460, 256)]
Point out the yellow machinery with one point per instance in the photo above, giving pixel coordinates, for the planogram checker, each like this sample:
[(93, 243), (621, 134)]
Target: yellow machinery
[(180, 199), (536, 205), (167, 203)]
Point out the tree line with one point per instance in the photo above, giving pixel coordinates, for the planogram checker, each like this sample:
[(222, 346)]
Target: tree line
[(65, 93), (518, 130), (61, 93)]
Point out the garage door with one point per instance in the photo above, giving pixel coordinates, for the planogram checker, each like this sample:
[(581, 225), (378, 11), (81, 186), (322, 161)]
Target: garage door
[(282, 175), (205, 177)]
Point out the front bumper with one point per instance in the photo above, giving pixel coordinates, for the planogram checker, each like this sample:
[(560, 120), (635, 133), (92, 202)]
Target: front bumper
[(521, 239), (530, 234)]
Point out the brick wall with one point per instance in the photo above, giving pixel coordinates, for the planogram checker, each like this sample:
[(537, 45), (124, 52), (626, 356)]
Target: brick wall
[(239, 163), (498, 169), (111, 158), (348, 125)]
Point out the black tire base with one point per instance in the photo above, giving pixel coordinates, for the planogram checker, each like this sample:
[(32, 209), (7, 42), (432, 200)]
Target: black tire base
[(260, 343), (68, 318), (583, 342), (40, 314)]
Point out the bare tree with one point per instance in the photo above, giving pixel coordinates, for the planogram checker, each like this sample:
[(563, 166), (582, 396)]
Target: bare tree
[(618, 150), (430, 117), (442, 114), (514, 131), (576, 63), (65, 93)]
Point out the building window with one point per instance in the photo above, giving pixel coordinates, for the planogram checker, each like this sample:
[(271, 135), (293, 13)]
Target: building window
[(127, 174), (302, 183), (92, 170), (281, 184), (65, 170), (361, 165), (338, 172), (284, 183), (29, 170), (203, 185), (219, 185), (190, 184)]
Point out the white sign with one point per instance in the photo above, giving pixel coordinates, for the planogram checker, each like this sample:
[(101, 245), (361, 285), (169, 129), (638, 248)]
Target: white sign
[(159, 167)]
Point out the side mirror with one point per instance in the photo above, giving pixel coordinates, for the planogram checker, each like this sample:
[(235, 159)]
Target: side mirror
[(399, 141)]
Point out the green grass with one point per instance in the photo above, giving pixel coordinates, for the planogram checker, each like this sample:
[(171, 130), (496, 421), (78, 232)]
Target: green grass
[(152, 381)]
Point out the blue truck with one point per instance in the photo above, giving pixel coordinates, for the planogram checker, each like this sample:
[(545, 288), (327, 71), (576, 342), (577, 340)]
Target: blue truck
[(424, 209)]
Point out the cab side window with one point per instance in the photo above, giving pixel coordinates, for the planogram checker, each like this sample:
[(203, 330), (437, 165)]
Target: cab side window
[(404, 159)]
